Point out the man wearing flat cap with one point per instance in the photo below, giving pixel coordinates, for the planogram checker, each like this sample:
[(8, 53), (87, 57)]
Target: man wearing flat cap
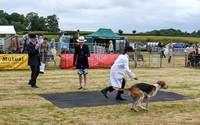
[(33, 60), (17, 45)]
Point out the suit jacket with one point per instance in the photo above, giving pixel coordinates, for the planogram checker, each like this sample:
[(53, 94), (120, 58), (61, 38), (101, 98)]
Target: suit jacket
[(81, 57), (127, 43), (14, 44), (33, 55)]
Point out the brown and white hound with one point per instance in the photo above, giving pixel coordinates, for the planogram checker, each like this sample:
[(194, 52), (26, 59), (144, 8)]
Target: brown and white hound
[(140, 91)]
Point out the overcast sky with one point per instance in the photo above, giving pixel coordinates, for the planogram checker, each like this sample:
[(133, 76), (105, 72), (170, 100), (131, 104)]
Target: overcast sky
[(127, 15)]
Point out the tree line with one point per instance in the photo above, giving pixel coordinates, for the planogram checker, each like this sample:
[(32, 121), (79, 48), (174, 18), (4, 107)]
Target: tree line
[(30, 22), (165, 32)]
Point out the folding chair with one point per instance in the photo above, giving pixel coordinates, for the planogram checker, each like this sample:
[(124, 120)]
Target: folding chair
[(141, 59)]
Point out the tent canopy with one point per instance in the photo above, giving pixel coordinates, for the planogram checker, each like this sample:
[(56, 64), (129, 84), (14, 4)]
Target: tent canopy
[(103, 33), (7, 30)]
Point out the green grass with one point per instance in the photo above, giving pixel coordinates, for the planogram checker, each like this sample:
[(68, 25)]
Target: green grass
[(21, 105), (164, 39), (130, 37)]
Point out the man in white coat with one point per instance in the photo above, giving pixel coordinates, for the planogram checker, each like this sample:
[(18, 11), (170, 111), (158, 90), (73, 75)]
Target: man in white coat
[(117, 72)]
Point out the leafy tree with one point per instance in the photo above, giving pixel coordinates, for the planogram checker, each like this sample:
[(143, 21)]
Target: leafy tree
[(17, 18), (120, 31), (134, 32), (3, 18), (18, 26), (194, 33), (33, 21), (198, 33), (42, 22), (52, 23), (157, 33), (3, 21)]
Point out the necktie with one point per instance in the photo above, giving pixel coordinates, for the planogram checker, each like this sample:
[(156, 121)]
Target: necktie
[(17, 43)]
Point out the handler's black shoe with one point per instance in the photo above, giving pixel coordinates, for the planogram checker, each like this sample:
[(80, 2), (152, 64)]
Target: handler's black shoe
[(104, 93), (34, 86), (29, 83), (120, 98), (80, 88)]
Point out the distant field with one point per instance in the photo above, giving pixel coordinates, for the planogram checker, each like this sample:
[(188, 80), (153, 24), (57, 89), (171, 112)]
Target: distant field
[(130, 37), (164, 39)]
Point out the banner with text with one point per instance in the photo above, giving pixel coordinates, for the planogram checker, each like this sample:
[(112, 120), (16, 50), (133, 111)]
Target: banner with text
[(96, 61), (13, 61)]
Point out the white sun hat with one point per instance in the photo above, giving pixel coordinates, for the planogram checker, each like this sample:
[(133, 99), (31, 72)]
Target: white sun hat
[(81, 39)]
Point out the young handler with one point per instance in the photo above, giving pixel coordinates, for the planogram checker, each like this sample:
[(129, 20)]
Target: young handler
[(117, 71)]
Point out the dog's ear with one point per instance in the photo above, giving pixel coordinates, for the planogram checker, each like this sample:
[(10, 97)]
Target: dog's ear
[(158, 82), (161, 83)]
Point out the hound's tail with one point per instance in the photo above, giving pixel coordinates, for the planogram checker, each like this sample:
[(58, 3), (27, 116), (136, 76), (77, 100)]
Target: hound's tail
[(124, 89)]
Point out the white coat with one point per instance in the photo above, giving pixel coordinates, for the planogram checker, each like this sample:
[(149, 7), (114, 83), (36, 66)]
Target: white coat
[(118, 70)]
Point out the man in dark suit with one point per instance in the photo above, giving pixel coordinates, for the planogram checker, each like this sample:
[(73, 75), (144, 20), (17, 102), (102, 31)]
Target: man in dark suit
[(126, 42), (81, 55), (33, 60)]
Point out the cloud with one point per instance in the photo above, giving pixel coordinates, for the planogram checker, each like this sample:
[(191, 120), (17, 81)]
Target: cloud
[(127, 15)]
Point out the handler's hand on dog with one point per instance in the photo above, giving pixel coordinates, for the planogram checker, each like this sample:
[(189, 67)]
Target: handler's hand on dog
[(136, 78)]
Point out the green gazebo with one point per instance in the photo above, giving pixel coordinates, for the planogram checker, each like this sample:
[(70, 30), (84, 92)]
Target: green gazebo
[(103, 35)]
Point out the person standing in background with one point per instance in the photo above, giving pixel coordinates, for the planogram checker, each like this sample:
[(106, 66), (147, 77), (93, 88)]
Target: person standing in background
[(162, 45), (53, 48), (196, 47), (25, 44), (33, 60), (110, 49), (170, 49), (40, 40), (65, 50), (81, 55), (44, 49), (17, 45), (126, 42)]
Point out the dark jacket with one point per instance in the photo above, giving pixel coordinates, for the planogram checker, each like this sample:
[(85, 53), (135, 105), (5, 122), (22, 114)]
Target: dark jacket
[(25, 44), (33, 55), (81, 57), (126, 43)]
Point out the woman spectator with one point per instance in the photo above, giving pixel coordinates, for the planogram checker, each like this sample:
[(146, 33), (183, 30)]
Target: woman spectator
[(53, 48), (170, 49), (81, 55)]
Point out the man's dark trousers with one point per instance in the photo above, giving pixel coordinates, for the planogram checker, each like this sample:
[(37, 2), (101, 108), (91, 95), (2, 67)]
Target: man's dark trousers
[(34, 74)]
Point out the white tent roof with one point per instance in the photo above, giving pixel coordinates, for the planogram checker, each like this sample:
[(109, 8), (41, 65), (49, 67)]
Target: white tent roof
[(7, 30)]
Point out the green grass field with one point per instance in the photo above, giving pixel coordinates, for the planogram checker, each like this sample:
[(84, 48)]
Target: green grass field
[(164, 39), (21, 105), (130, 37)]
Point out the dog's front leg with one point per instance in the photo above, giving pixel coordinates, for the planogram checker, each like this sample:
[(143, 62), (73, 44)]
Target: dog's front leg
[(143, 107), (147, 103)]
